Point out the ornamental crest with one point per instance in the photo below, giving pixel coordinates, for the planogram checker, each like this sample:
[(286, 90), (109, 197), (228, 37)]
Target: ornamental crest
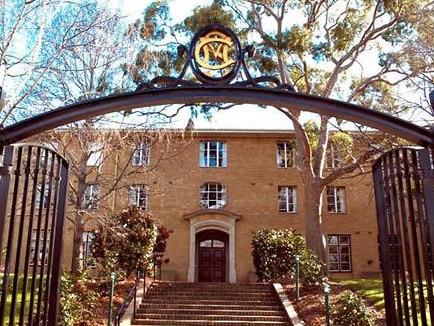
[(215, 57)]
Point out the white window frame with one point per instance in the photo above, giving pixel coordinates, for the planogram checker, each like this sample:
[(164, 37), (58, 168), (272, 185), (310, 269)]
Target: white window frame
[(336, 199), (138, 196), (285, 154), (42, 244), (95, 155), (333, 156), (86, 253), (44, 196), (339, 253), (213, 153), (213, 195), (141, 155), (91, 197), (287, 202)]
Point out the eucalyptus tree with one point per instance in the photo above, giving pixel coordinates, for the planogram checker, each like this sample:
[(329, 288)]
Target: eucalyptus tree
[(353, 50)]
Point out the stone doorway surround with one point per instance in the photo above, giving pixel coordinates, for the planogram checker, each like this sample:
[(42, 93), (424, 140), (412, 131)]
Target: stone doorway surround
[(220, 220)]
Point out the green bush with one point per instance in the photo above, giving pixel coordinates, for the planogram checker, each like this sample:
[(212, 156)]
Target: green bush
[(350, 310), (127, 242), (77, 300), (274, 252)]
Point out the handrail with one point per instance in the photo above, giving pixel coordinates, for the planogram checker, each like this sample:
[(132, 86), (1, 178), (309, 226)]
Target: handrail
[(124, 305)]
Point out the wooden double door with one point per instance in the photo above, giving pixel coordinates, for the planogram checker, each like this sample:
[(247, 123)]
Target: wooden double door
[(212, 257)]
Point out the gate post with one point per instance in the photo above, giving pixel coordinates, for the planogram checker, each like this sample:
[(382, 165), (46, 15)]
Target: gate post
[(5, 178)]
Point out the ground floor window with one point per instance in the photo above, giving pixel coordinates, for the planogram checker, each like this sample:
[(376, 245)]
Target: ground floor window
[(86, 254), (339, 252), (39, 247)]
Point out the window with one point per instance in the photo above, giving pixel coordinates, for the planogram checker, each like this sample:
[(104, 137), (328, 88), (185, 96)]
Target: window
[(212, 154), (138, 196), (39, 247), (41, 199), (86, 254), (287, 199), (334, 156), (212, 196), (94, 154), (285, 154), (339, 253), (336, 200), (91, 197), (141, 155)]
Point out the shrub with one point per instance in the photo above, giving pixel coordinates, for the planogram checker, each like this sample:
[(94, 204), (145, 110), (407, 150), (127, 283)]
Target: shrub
[(77, 300), (350, 310), (274, 252), (128, 242)]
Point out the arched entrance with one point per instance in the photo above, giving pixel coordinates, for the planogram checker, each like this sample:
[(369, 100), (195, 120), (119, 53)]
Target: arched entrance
[(212, 245), (211, 253)]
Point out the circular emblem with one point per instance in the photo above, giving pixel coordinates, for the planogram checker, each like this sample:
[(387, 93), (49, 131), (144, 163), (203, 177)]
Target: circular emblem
[(216, 55)]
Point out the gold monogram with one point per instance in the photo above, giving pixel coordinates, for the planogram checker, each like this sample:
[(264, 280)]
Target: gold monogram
[(213, 53)]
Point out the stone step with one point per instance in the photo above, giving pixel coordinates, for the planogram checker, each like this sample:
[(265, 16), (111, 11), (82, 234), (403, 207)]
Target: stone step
[(206, 311), (172, 303), (203, 322), (208, 306), (210, 317), (192, 300)]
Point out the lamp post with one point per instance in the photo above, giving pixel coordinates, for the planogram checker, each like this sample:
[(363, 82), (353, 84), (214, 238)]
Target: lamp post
[(327, 303)]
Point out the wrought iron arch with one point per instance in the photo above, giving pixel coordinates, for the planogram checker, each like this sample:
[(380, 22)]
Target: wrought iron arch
[(215, 58), (227, 93)]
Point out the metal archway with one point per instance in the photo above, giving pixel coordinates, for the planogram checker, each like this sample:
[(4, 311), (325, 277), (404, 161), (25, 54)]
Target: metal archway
[(229, 94)]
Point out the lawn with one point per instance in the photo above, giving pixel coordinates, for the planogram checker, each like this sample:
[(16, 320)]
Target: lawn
[(369, 288)]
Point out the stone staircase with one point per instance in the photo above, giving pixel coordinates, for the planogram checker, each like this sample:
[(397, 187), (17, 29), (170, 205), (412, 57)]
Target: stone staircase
[(174, 303)]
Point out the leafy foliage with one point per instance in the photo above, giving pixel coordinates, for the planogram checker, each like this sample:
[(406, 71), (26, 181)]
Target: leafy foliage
[(77, 300), (274, 256), (350, 310), (128, 242)]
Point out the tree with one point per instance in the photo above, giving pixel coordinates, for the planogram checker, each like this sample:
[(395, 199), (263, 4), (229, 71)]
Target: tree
[(130, 241), (320, 47), (86, 51), (101, 166), (35, 37)]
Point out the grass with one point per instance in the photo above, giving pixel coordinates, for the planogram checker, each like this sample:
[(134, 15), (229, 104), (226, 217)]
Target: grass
[(369, 288), (18, 298)]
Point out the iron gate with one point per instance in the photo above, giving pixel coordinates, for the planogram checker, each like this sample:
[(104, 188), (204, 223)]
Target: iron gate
[(404, 191), (33, 184)]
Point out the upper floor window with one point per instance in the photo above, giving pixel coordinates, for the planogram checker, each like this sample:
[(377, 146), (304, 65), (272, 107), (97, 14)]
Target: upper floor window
[(138, 196), (287, 199), (285, 154), (212, 195), (94, 154), (141, 155), (86, 254), (336, 199), (91, 197), (339, 252), (212, 154), (333, 156)]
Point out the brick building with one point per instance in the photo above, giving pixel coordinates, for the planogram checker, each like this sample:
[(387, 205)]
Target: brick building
[(213, 188)]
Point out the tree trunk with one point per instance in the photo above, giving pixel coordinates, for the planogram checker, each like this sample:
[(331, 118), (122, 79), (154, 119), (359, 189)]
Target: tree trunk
[(314, 231), (77, 243)]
